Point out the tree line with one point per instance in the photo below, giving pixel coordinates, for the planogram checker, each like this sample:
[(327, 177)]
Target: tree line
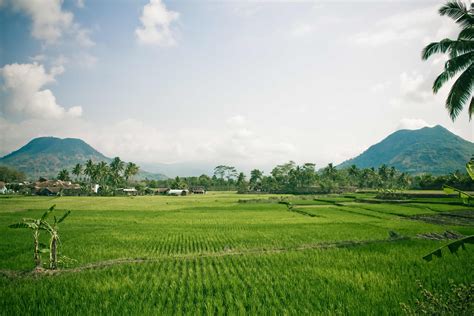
[(285, 178), (306, 178)]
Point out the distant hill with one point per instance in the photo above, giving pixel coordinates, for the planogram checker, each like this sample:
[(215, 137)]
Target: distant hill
[(45, 156), (432, 150)]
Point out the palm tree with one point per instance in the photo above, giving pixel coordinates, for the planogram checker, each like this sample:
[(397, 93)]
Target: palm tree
[(63, 175), (461, 54), (35, 225), (116, 167), (330, 171), (77, 170), (353, 173), (89, 169), (130, 170), (101, 172)]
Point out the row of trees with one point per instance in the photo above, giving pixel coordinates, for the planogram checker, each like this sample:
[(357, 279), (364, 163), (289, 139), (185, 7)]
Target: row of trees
[(305, 178), (114, 174)]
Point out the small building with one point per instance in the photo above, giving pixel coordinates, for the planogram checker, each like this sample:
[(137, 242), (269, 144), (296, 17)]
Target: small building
[(126, 191), (178, 192), (161, 191), (198, 190), (49, 191), (55, 187), (3, 188), (130, 191)]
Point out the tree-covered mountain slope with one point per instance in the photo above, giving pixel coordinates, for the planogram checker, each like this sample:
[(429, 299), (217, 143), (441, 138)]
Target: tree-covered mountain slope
[(432, 150), (46, 156)]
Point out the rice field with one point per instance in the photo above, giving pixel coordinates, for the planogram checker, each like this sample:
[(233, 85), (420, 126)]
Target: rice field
[(224, 253)]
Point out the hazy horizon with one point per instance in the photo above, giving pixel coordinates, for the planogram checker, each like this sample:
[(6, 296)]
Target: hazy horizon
[(250, 83)]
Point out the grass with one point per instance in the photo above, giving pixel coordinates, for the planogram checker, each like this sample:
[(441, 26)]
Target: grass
[(213, 255)]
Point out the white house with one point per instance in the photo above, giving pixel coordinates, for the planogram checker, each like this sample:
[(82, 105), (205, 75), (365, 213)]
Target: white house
[(178, 192), (95, 188)]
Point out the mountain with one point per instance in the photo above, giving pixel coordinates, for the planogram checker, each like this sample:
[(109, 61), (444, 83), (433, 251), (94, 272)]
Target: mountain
[(432, 150), (45, 156)]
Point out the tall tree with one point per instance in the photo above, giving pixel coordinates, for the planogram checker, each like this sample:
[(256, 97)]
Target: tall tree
[(89, 169), (116, 167), (461, 54), (77, 170), (255, 181), (63, 175), (130, 170)]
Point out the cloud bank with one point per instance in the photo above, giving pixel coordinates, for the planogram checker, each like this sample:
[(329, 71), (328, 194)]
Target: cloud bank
[(25, 96)]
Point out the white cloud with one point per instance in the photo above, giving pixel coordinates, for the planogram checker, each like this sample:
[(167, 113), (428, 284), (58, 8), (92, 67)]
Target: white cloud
[(82, 36), (51, 22), (412, 123), (156, 24), (24, 95), (423, 25), (415, 89), (137, 141)]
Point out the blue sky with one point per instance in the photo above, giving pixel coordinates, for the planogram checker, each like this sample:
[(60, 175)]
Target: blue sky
[(248, 83)]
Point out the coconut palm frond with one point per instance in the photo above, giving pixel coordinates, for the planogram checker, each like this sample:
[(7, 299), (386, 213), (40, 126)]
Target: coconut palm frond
[(454, 9), (452, 67), (460, 93), (466, 34), (471, 111), (452, 246), (437, 47), (470, 164), (457, 11)]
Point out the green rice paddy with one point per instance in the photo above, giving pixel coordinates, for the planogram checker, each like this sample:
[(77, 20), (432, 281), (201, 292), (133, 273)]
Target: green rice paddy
[(219, 254)]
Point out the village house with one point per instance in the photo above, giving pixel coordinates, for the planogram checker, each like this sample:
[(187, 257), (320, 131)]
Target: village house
[(55, 187), (127, 191), (178, 192), (198, 190), (158, 191)]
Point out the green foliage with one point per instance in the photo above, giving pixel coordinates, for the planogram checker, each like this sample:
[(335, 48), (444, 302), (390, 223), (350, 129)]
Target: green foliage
[(8, 174), (64, 175), (464, 196), (461, 53), (52, 229), (36, 225)]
